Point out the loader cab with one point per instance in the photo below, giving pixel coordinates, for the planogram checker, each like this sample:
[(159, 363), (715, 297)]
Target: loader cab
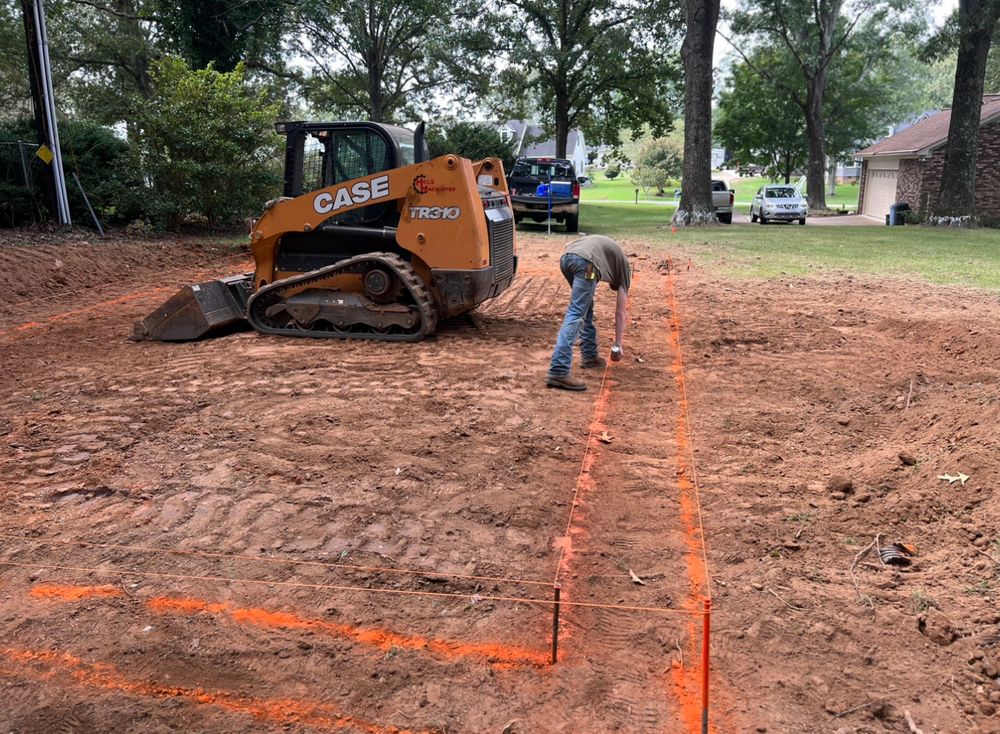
[(321, 154)]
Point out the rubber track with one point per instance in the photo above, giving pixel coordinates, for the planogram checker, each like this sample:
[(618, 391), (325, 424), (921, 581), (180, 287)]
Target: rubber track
[(263, 298)]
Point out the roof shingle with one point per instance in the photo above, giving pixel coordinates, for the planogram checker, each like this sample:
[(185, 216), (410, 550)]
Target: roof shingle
[(928, 133)]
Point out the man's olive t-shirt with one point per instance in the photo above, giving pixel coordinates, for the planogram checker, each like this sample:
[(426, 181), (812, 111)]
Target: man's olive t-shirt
[(607, 256)]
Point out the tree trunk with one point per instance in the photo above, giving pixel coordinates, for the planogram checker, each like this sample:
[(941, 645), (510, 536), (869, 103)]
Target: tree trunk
[(831, 170), (696, 52), (816, 130), (957, 197), (562, 123)]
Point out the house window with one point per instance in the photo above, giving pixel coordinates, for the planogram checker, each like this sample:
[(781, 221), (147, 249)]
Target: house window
[(506, 134)]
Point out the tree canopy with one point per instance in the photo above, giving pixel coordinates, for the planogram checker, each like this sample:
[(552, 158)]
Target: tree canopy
[(598, 65), (821, 35)]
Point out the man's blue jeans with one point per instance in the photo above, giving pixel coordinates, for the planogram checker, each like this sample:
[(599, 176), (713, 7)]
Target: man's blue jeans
[(579, 319)]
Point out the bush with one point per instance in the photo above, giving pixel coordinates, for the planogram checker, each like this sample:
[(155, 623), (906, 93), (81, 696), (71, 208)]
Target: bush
[(100, 158), (612, 171), (656, 164), (207, 145), (470, 140)]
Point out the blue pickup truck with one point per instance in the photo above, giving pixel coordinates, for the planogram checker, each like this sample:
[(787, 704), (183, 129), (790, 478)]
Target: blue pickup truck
[(540, 187)]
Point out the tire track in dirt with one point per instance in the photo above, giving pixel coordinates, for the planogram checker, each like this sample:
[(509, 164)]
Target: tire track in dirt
[(446, 455)]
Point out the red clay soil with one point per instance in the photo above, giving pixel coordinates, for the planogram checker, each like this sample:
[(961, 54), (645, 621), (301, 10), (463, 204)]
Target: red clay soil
[(262, 534)]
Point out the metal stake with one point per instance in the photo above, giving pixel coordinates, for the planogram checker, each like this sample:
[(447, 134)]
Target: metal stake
[(706, 632), (555, 625)]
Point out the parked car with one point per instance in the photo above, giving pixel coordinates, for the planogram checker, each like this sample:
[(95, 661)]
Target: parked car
[(778, 202), (542, 186), (722, 200)]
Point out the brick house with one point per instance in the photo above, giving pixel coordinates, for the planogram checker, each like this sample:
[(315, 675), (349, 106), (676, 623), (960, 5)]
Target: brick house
[(907, 166)]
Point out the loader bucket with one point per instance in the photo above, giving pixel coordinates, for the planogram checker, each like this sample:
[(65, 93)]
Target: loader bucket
[(198, 310)]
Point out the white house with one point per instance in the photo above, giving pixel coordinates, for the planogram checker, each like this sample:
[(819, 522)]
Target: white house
[(529, 140)]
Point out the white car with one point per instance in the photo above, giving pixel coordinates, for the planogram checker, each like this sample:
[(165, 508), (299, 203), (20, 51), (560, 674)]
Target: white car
[(778, 202)]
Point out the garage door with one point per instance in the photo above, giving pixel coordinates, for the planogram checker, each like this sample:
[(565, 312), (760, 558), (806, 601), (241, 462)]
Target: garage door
[(880, 192)]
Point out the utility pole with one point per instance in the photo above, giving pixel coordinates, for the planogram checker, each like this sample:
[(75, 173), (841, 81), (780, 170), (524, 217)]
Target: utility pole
[(43, 99)]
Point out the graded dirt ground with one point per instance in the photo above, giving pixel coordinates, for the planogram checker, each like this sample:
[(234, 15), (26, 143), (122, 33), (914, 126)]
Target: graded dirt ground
[(263, 534)]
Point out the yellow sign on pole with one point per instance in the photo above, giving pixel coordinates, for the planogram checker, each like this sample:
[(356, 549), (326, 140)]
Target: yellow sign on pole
[(44, 153)]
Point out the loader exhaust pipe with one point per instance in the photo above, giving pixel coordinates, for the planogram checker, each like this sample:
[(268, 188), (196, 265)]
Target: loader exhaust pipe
[(419, 148)]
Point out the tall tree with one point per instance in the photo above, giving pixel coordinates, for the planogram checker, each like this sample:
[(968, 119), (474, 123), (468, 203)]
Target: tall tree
[(817, 33), (104, 51), (380, 59), (600, 65), (976, 21), (992, 85), (13, 60), (695, 206), (225, 32), (759, 122)]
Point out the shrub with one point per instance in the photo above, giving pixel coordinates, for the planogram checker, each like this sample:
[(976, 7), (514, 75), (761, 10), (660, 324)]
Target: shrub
[(101, 159), (207, 146), (470, 140), (656, 164), (612, 171)]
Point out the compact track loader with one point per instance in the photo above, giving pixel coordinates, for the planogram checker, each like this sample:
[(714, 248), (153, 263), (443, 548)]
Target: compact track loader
[(371, 240)]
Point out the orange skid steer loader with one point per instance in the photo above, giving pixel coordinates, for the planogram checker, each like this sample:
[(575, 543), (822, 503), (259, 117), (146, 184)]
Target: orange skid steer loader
[(371, 240)]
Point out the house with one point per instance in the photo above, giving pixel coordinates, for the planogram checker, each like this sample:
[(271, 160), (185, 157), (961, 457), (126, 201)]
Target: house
[(529, 140), (906, 167), (848, 174)]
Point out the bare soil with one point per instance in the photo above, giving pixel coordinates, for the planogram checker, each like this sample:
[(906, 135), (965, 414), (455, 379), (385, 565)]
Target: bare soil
[(261, 534)]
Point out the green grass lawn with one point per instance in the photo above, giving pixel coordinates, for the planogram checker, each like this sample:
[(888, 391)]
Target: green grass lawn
[(936, 255), (621, 189)]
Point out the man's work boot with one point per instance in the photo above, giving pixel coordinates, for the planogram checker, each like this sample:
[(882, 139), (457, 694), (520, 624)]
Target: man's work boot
[(565, 382), (591, 363)]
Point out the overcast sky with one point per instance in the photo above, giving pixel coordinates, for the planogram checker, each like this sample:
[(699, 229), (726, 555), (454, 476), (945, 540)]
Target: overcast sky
[(940, 9)]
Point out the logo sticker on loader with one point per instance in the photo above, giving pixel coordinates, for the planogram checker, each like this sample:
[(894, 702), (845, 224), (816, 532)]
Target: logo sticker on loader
[(435, 212), (359, 193), (424, 185)]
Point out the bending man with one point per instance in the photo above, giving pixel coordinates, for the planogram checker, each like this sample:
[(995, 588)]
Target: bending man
[(585, 263)]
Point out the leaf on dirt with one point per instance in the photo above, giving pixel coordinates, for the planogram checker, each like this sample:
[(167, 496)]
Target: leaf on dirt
[(605, 437), (960, 477), (636, 579), (639, 359), (398, 471), (509, 729)]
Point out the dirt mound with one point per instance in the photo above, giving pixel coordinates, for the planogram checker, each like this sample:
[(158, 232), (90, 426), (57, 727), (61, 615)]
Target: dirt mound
[(37, 265)]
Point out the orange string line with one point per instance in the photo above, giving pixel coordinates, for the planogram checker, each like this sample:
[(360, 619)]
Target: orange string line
[(336, 587), (45, 665), (601, 398), (687, 420), (265, 559)]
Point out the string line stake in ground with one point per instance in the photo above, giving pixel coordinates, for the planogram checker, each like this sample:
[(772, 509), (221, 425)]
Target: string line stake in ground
[(705, 646), (555, 623)]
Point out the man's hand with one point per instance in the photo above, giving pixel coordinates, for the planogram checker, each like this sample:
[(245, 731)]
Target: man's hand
[(616, 353)]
